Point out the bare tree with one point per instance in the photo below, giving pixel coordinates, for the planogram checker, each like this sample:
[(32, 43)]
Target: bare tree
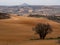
[(42, 30)]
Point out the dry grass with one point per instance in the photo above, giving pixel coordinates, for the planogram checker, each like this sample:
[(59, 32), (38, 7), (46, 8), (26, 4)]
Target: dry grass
[(20, 29)]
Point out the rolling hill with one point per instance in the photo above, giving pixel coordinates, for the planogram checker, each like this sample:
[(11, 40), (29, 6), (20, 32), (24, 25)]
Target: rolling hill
[(19, 29)]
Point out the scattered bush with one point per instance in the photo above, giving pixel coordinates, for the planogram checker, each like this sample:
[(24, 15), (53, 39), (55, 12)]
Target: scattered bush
[(35, 15), (58, 41), (58, 37), (4, 16)]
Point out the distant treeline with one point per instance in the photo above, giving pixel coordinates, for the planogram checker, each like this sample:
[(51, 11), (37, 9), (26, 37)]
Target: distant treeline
[(50, 17), (4, 16)]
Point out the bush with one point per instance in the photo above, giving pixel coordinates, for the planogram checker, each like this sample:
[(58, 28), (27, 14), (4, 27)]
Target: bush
[(58, 37), (4, 16), (58, 41), (35, 15)]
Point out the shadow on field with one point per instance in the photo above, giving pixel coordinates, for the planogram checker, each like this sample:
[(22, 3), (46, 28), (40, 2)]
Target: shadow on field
[(58, 38)]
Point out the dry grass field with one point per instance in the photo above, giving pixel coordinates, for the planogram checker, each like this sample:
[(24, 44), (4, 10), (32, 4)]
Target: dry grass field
[(18, 31)]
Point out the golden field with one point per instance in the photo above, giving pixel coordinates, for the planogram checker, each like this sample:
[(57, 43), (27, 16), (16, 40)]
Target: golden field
[(18, 31)]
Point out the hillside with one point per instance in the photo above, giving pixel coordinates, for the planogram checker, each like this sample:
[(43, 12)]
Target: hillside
[(20, 28)]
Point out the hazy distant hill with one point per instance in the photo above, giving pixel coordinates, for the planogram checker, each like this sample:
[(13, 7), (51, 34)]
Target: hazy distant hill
[(27, 9)]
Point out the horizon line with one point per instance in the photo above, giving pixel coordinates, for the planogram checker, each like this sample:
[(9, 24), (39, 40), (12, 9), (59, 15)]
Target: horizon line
[(30, 5)]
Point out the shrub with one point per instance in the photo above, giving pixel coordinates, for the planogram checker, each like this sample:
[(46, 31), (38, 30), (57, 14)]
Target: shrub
[(4, 16), (58, 41)]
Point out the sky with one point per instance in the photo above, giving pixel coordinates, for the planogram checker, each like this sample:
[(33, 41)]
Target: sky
[(30, 2)]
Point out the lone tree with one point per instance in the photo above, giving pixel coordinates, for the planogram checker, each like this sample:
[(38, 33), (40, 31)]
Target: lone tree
[(42, 30)]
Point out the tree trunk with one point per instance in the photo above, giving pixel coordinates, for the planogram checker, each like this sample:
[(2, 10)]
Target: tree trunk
[(42, 36)]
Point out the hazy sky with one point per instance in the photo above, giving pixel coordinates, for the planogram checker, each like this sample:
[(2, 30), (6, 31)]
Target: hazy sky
[(31, 2)]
